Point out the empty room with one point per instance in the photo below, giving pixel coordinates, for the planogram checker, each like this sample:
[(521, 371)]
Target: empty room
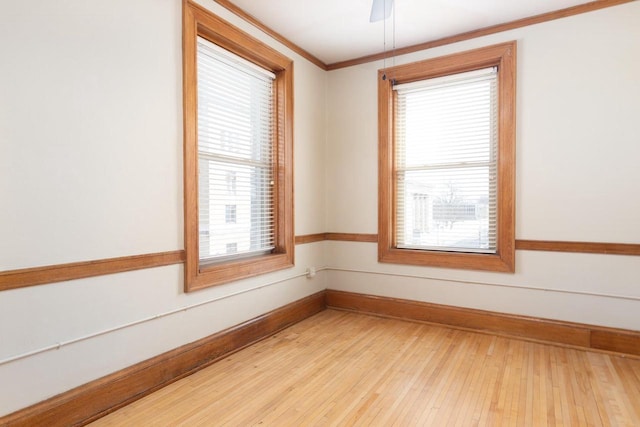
[(347, 212)]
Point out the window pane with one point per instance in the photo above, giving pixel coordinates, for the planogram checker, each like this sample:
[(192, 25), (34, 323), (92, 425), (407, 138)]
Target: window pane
[(446, 164), (244, 217), (235, 123), (447, 209)]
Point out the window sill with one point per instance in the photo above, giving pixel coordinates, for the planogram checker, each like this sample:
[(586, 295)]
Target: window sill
[(218, 274), (457, 260)]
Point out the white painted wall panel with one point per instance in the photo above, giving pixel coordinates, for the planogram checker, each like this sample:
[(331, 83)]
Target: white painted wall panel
[(310, 126), (90, 153)]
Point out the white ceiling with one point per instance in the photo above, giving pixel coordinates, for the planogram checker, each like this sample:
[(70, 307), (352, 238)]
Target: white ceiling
[(338, 30)]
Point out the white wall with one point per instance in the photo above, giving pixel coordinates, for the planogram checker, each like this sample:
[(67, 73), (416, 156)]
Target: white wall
[(91, 168), (578, 146)]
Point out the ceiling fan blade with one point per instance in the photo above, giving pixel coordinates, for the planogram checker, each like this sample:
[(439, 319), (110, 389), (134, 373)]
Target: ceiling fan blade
[(380, 9)]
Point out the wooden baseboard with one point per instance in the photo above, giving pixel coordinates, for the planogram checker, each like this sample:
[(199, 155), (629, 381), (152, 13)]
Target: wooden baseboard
[(552, 331), (102, 396)]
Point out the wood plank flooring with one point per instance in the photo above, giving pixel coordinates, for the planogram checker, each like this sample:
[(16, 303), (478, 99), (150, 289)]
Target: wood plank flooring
[(341, 368)]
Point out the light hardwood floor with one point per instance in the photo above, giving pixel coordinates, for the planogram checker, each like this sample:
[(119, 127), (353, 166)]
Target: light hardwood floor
[(340, 368)]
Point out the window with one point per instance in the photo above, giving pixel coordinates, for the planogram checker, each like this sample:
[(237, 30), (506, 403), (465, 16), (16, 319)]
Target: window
[(447, 159), (421, 213), (238, 159), (445, 147), (232, 186), (230, 216)]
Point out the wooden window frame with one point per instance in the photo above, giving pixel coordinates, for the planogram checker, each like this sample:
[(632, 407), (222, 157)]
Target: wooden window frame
[(502, 56), (198, 21)]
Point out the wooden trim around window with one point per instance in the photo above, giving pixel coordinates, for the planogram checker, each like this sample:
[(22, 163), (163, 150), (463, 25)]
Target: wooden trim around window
[(504, 57), (524, 327), (107, 394), (14, 279), (512, 25), (198, 21)]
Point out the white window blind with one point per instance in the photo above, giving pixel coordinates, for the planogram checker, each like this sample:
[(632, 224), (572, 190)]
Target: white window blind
[(235, 182), (446, 159)]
